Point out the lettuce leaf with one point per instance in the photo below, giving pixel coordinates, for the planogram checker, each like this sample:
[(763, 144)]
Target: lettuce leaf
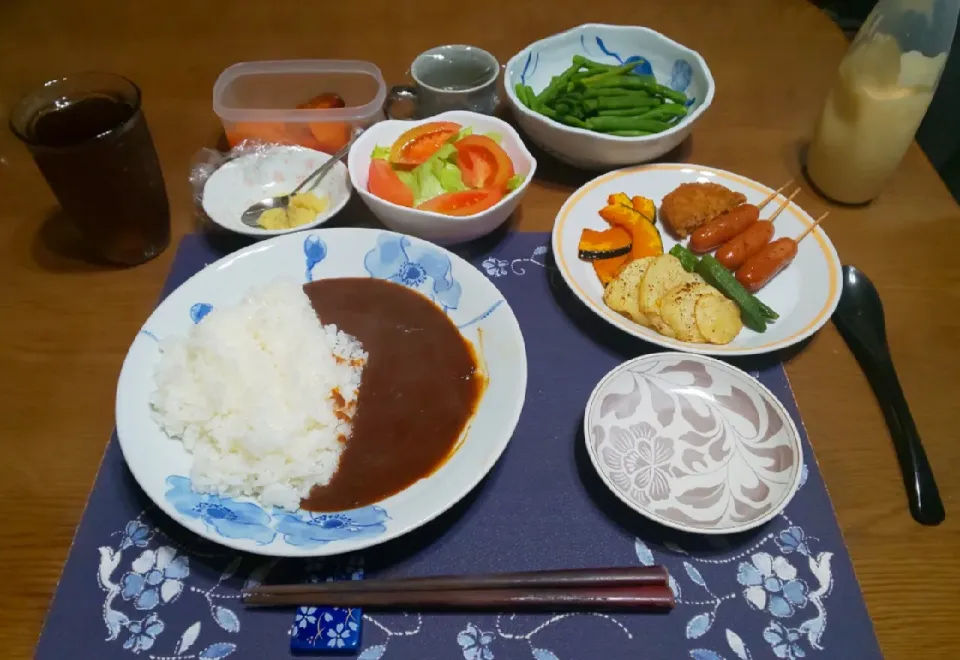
[(449, 175), (515, 181), (409, 180), (428, 184), (443, 153), (464, 132), (380, 153), (437, 175), (496, 137)]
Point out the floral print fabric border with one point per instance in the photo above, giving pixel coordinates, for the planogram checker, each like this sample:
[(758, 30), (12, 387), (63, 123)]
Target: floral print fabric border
[(137, 585)]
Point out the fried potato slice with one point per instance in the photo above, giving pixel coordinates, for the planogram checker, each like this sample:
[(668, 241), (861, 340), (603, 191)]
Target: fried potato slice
[(662, 275), (717, 318), (622, 295), (677, 309)]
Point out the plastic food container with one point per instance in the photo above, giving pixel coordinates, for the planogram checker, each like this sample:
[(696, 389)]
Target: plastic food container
[(259, 101)]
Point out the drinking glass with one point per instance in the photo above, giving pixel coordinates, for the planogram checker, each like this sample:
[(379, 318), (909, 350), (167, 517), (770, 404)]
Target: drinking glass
[(90, 140)]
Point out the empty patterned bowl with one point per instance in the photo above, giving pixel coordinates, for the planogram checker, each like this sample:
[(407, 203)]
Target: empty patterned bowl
[(693, 443), (677, 66)]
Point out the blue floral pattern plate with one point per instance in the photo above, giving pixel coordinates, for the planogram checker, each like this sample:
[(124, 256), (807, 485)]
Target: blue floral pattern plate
[(161, 465)]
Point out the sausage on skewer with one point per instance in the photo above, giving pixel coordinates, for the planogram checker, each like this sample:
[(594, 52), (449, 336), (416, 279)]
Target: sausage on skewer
[(728, 225), (741, 247), (765, 264)]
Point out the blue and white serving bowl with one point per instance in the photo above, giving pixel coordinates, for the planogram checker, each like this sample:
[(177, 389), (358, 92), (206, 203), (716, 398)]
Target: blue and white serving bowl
[(161, 465), (672, 64)]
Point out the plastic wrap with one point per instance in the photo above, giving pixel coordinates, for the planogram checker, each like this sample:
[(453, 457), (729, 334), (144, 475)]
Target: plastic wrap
[(207, 161)]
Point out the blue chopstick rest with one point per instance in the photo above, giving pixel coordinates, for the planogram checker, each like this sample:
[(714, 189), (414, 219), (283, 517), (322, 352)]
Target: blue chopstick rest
[(329, 630)]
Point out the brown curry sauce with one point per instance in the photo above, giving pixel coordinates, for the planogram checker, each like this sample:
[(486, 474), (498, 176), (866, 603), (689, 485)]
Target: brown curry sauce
[(418, 390)]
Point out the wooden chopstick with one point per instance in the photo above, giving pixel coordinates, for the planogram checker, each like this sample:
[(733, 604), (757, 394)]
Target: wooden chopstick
[(641, 598), (772, 195), (560, 579)]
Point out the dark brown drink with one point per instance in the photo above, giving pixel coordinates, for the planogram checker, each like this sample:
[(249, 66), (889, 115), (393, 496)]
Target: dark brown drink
[(90, 140)]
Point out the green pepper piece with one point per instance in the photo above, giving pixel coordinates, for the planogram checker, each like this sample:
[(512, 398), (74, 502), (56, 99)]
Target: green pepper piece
[(687, 258), (754, 313)]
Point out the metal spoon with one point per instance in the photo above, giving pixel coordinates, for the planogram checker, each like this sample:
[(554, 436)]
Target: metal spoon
[(859, 317), (251, 216)]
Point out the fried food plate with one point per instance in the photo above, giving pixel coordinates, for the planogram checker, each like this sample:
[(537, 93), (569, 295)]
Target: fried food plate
[(805, 293)]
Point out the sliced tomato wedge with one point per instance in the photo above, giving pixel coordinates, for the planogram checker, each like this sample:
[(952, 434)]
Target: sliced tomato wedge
[(329, 136), (324, 101), (464, 202), (383, 182), (326, 136), (482, 162), (421, 142)]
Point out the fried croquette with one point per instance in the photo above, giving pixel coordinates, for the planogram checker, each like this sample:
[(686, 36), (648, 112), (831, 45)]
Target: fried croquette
[(693, 205)]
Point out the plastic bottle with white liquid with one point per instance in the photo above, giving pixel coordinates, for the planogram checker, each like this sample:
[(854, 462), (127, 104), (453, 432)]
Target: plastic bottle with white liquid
[(884, 85)]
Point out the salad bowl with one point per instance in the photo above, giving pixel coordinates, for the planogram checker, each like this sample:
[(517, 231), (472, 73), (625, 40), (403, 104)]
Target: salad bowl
[(436, 227)]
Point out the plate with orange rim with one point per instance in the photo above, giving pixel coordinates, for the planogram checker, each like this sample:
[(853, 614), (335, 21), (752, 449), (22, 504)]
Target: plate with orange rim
[(804, 294)]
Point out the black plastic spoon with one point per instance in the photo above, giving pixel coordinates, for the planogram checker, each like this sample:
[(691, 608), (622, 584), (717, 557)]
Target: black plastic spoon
[(859, 317)]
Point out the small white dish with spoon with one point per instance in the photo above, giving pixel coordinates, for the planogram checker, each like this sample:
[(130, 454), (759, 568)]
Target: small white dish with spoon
[(272, 172)]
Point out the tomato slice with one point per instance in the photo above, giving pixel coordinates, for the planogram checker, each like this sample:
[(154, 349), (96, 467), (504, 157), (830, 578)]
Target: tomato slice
[(326, 136), (464, 202), (325, 101), (383, 182), (330, 136), (482, 162), (421, 142)]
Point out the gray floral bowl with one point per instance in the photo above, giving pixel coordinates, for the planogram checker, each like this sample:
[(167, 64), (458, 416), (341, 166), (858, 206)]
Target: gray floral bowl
[(693, 443)]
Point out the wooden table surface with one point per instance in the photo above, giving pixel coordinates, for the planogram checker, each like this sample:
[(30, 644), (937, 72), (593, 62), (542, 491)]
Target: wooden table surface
[(66, 325)]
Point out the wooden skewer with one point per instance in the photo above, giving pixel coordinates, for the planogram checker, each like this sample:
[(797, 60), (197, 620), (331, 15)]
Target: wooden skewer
[(811, 227), (783, 205), (773, 195)]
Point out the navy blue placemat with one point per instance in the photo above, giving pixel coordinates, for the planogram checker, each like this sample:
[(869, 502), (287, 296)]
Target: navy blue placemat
[(137, 585)]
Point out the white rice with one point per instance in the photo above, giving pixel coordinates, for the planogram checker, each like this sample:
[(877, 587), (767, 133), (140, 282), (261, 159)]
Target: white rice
[(250, 393)]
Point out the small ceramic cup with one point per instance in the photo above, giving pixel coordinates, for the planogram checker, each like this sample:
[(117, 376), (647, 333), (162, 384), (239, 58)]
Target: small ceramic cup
[(447, 78)]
